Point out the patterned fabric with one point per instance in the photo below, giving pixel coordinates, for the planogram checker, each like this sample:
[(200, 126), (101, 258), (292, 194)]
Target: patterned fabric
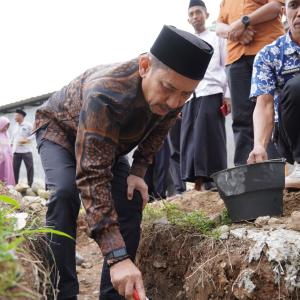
[(265, 33), (274, 65), (99, 116)]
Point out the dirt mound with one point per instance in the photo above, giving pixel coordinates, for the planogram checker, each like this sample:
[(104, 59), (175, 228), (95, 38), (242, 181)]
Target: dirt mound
[(183, 264)]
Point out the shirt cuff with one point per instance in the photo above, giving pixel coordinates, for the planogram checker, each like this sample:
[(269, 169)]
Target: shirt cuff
[(110, 239), (138, 169)]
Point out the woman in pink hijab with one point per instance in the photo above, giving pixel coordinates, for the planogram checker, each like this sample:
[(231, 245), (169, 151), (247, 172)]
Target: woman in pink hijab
[(6, 166)]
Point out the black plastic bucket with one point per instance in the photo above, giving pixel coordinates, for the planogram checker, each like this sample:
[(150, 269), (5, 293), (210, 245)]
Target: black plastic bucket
[(252, 191)]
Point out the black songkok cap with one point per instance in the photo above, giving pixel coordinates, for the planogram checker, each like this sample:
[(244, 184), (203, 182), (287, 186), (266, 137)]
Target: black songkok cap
[(183, 52), (21, 112), (197, 3)]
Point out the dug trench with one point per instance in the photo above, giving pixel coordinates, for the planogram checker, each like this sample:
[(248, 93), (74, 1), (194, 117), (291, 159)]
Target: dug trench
[(189, 250)]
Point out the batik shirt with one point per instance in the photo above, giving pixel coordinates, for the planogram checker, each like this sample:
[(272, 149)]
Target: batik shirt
[(274, 65), (99, 116)]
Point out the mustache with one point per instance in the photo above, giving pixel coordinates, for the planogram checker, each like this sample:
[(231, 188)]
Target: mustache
[(164, 107)]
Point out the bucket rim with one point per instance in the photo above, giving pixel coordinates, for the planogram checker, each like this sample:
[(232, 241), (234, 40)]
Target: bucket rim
[(277, 160)]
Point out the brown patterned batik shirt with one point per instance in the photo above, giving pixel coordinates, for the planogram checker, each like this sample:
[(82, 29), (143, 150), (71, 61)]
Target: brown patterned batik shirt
[(99, 116)]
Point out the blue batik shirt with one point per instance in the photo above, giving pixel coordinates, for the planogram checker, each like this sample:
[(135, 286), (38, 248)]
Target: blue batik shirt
[(273, 66)]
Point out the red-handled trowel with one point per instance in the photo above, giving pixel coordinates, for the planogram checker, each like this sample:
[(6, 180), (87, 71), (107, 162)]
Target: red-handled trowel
[(136, 295)]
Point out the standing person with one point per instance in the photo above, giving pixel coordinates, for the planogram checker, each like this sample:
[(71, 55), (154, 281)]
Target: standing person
[(248, 26), (6, 167), (83, 133), (21, 140), (203, 136), (276, 89)]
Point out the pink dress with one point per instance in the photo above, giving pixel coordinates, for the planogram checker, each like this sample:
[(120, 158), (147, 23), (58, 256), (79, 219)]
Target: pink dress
[(6, 158)]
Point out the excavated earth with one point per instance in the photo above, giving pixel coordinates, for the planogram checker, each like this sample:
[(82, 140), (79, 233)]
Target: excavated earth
[(254, 261)]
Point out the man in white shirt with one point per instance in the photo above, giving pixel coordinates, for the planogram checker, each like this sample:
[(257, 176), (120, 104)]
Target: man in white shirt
[(203, 135), (21, 140)]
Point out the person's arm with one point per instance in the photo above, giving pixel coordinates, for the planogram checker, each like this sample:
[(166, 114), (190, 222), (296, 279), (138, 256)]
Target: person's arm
[(263, 89), (96, 142), (263, 123), (265, 13)]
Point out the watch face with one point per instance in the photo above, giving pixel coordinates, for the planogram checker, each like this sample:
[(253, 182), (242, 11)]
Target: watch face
[(246, 20)]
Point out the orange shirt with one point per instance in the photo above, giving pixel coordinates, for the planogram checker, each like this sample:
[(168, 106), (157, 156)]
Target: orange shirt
[(266, 33)]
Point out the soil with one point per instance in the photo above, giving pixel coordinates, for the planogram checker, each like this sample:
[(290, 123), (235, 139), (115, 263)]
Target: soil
[(168, 256), (185, 265)]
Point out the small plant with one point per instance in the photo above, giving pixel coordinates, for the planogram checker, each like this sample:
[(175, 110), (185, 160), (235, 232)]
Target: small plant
[(11, 240), (225, 219)]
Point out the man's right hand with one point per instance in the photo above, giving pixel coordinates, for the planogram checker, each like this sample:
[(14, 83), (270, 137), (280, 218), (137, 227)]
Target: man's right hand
[(126, 277), (257, 155), (247, 36)]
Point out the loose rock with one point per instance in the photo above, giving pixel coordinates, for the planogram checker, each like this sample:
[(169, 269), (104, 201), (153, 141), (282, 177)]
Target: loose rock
[(262, 221), (43, 193)]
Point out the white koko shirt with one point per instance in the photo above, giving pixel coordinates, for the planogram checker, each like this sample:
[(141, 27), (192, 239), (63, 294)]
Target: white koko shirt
[(22, 131), (215, 79)]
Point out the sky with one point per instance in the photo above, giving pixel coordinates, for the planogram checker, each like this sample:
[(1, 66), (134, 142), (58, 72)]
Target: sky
[(47, 43)]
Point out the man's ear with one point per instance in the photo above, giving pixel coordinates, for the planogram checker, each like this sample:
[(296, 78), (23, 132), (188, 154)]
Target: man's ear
[(207, 15), (144, 64)]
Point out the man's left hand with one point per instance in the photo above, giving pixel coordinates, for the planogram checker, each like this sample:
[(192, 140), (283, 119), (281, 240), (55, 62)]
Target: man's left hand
[(137, 183)]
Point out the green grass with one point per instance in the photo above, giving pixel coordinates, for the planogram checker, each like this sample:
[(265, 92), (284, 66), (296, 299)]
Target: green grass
[(194, 221), (11, 240)]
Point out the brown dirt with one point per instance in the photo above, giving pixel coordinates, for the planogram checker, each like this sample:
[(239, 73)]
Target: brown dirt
[(168, 256), (88, 277), (187, 266)]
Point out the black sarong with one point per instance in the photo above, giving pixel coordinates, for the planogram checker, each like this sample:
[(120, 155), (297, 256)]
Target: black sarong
[(203, 138)]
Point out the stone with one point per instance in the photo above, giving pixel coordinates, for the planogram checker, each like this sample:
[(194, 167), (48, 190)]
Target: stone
[(21, 188), (43, 193), (294, 221), (79, 259), (37, 186), (159, 265), (86, 265), (224, 236), (274, 221), (15, 194), (30, 192), (162, 221), (262, 221), (224, 229)]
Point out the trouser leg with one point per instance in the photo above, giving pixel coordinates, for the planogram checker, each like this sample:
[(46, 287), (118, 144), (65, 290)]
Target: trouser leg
[(63, 208), (17, 160), (289, 125), (28, 160), (239, 79), (129, 216)]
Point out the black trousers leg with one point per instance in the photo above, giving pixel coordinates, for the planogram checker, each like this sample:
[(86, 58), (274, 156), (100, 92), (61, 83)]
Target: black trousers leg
[(130, 217), (239, 79), (289, 125), (17, 160), (28, 160), (63, 208)]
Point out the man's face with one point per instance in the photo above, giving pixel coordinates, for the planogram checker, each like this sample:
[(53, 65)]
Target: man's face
[(18, 118), (163, 88), (197, 16), (292, 11)]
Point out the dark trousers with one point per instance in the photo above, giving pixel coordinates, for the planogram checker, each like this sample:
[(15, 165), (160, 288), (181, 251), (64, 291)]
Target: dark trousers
[(239, 78), (174, 137), (289, 124), (17, 160), (63, 208)]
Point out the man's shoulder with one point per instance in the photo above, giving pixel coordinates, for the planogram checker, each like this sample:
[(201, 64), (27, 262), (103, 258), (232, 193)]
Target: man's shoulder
[(273, 48)]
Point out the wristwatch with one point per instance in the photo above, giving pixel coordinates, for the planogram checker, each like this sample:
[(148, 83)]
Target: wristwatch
[(116, 256), (246, 21)]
